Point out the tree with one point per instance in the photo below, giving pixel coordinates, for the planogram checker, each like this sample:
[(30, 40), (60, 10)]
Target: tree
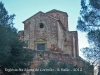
[(13, 56), (89, 22)]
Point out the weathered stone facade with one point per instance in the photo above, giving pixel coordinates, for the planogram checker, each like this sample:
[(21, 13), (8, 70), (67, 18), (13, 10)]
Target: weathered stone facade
[(51, 30)]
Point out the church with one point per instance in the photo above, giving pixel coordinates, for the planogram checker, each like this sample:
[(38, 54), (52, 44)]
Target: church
[(49, 31), (47, 34)]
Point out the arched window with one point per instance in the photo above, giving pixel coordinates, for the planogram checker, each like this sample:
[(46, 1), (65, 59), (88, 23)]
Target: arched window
[(41, 25)]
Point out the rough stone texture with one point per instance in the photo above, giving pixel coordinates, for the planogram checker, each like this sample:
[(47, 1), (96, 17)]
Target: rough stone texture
[(21, 35), (47, 55), (54, 33)]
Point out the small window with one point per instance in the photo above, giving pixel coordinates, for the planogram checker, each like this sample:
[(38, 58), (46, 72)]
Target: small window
[(41, 25), (40, 46)]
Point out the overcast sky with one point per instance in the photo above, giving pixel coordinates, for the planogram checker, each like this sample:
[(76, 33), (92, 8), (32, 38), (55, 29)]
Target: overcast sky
[(24, 9)]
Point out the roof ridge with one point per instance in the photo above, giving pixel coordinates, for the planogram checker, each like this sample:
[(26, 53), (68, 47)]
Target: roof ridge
[(55, 10)]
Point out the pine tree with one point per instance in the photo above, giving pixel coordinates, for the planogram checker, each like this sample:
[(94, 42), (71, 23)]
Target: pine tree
[(12, 53), (89, 22)]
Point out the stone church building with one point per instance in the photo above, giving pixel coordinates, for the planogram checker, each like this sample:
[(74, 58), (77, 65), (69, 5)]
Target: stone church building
[(49, 31), (47, 34)]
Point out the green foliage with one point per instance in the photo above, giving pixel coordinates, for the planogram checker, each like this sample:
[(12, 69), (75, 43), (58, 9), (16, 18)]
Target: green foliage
[(12, 53), (89, 22), (52, 64)]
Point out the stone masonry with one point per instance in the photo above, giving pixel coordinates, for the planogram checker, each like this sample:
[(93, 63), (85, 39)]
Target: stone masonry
[(50, 29)]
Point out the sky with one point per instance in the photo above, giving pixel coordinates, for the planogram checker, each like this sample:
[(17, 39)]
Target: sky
[(24, 9)]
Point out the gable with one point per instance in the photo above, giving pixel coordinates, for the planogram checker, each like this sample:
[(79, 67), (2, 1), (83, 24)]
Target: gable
[(54, 15), (39, 13)]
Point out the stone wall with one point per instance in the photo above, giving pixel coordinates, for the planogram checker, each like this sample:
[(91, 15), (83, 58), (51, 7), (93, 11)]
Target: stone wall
[(54, 32), (49, 54), (46, 56), (62, 16), (21, 35), (33, 33)]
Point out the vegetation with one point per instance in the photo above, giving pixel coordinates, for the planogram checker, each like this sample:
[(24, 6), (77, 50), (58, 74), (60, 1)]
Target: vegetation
[(12, 54), (89, 22)]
